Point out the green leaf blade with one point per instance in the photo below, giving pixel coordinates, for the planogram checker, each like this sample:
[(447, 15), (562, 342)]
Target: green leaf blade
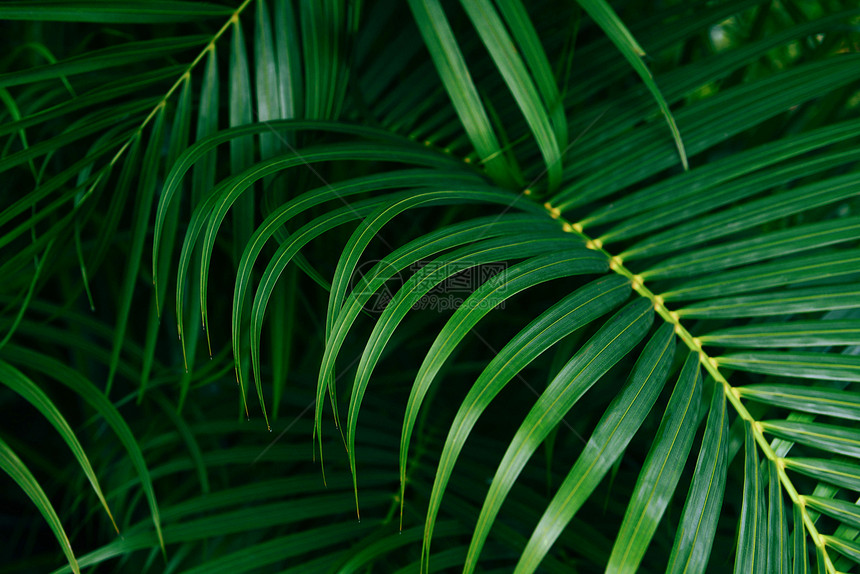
[(148, 11), (15, 380), (752, 549), (95, 398), (608, 345), (777, 303), (12, 465), (495, 37), (822, 401), (695, 534), (446, 55), (831, 438), (836, 472), (777, 524), (605, 17), (611, 436), (822, 366), (143, 210), (791, 334), (121, 55), (661, 470)]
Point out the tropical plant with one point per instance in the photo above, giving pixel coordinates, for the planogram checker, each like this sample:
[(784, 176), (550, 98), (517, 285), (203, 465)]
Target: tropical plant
[(516, 286)]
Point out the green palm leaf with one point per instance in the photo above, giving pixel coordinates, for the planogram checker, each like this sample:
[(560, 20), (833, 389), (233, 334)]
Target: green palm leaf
[(695, 534), (13, 466), (661, 470), (398, 209)]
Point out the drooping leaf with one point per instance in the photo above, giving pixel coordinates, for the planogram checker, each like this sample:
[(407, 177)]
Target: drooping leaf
[(12, 465), (695, 535), (452, 69), (606, 347), (661, 471), (777, 524), (18, 382), (95, 398), (611, 436), (752, 549), (605, 17)]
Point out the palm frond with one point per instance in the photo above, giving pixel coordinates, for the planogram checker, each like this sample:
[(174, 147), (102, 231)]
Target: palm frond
[(454, 239)]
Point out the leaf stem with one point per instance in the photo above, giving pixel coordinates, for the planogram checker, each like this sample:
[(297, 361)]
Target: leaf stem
[(179, 81)]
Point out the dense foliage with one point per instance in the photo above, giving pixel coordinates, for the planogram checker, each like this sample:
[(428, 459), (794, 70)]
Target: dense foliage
[(532, 286)]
